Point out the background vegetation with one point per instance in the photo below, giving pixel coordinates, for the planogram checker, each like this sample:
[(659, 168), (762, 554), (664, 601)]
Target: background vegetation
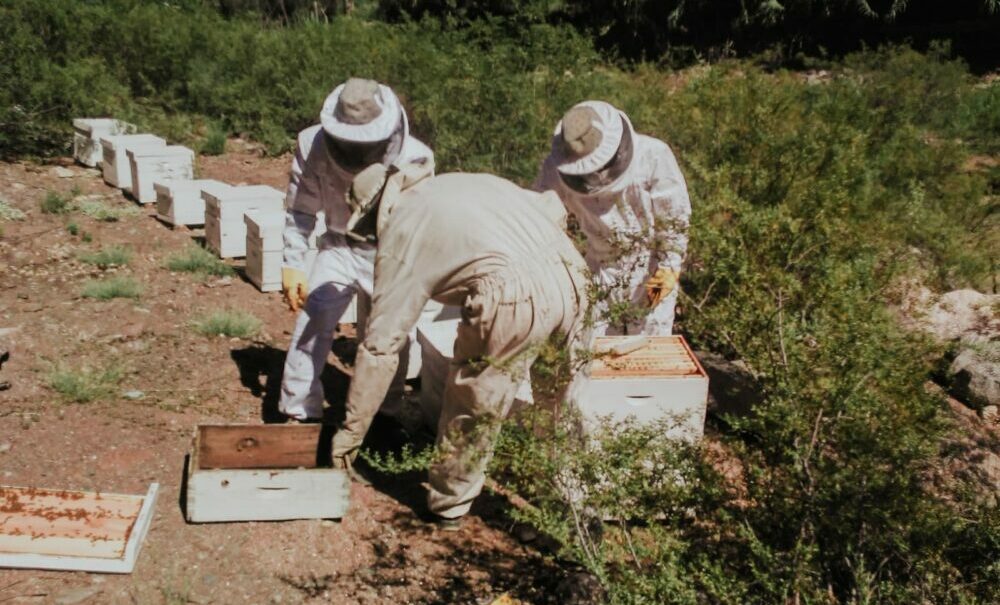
[(815, 194)]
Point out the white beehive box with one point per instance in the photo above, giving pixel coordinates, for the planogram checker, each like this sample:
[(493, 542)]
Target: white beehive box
[(661, 381), (269, 472), (225, 231), (87, 134), (180, 202), (265, 248), (115, 165), (158, 165), (437, 348)]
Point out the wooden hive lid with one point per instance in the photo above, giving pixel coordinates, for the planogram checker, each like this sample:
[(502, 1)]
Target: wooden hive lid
[(663, 357)]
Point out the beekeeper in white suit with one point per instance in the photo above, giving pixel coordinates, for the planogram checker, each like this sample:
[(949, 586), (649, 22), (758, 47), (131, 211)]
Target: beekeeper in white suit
[(629, 197), (362, 123), (499, 252)]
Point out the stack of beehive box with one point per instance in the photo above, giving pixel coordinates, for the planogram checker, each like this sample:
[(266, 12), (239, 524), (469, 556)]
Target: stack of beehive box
[(180, 202), (87, 134), (117, 171), (151, 165), (265, 247), (225, 229), (659, 382), (265, 251)]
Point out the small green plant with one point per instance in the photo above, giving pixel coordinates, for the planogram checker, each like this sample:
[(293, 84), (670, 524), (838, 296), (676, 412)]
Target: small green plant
[(10, 213), (86, 237), (109, 256), (199, 261), (54, 203), (102, 211), (73, 229), (114, 287), (84, 384), (214, 142), (229, 322)]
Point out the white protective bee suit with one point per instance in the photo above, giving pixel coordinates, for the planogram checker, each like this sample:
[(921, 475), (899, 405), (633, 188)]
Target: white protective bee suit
[(646, 202), (498, 251), (318, 184)]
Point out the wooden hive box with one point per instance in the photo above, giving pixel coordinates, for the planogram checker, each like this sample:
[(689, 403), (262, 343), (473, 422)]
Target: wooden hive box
[(158, 165), (87, 133), (180, 202), (263, 473), (225, 230), (115, 165), (72, 530), (661, 380), (265, 248)]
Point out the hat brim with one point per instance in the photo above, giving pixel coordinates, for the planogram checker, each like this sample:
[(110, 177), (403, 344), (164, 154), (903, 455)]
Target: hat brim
[(379, 129), (614, 124)]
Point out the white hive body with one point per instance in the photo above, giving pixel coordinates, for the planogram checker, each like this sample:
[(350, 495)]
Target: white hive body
[(158, 165), (180, 202), (437, 348), (87, 134), (661, 382), (434, 313), (225, 229), (115, 165), (265, 248)]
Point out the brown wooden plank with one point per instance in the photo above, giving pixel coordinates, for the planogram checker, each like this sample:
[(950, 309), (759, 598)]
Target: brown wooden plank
[(65, 523), (258, 446), (62, 547)]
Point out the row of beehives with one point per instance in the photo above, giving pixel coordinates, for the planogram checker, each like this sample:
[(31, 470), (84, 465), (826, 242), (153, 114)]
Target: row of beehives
[(663, 379), (239, 221)]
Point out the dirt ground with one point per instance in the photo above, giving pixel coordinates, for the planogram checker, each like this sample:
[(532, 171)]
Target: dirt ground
[(379, 553)]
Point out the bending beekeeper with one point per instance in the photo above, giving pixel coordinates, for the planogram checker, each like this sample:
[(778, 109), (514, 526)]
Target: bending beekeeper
[(362, 123), (499, 252), (629, 198)]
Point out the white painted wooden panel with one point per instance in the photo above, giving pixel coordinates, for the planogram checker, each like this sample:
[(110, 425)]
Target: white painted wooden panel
[(87, 133), (115, 165), (219, 495), (158, 165), (125, 564)]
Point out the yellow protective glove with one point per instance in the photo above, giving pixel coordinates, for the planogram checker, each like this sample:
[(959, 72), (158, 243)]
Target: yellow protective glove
[(660, 285), (294, 287)]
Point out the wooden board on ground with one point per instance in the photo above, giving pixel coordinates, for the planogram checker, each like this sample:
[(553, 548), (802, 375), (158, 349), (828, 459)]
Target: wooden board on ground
[(262, 473), (72, 530)]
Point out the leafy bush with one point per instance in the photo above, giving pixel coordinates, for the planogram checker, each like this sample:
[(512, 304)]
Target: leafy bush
[(109, 256), (199, 261), (113, 287), (84, 384), (54, 203), (233, 323), (214, 142)]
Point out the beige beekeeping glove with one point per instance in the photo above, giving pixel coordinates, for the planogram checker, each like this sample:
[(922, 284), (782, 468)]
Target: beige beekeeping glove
[(294, 287), (660, 285)]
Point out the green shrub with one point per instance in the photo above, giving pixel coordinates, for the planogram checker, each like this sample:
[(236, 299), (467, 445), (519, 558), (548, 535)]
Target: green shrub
[(109, 256), (84, 384), (199, 261), (113, 287), (214, 142), (54, 203), (73, 228), (232, 323)]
